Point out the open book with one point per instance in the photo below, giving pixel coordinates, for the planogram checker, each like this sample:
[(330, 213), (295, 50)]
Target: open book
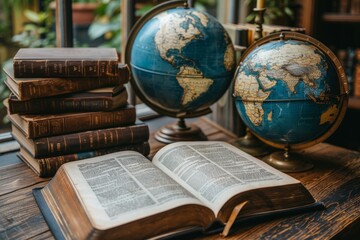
[(188, 185)]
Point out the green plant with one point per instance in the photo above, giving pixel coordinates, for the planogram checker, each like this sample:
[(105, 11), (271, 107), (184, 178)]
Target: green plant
[(4, 93), (108, 20), (38, 32), (85, 1), (107, 24), (275, 10)]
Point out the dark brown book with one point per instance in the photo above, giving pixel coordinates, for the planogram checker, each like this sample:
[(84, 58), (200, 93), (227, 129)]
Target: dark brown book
[(82, 141), (103, 99), (47, 167), (357, 73), (188, 186), (35, 126), (30, 88), (66, 62)]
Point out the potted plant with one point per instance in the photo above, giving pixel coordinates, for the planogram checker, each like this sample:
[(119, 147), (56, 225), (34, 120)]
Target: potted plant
[(83, 11)]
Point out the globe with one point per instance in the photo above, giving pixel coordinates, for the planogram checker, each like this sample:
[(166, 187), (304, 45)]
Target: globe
[(290, 90), (182, 60)]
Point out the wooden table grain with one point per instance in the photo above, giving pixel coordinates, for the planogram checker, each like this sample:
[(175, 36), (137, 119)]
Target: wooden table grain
[(335, 180)]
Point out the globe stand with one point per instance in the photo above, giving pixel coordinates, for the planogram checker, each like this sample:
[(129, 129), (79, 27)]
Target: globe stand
[(251, 145), (179, 132), (288, 162)]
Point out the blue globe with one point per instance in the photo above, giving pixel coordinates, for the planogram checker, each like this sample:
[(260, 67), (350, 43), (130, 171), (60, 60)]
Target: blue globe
[(290, 91), (182, 61)]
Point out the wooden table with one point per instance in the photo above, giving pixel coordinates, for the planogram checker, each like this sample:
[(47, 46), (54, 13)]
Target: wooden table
[(334, 181)]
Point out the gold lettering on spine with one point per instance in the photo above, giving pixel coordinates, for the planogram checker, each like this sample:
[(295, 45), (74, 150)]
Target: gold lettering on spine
[(98, 136), (132, 135), (48, 146), (117, 135), (65, 145), (80, 142), (66, 68), (91, 141), (111, 136), (98, 68), (46, 67), (82, 68)]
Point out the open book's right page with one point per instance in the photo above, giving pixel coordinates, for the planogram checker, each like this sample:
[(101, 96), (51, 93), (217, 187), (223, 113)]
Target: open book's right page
[(216, 171)]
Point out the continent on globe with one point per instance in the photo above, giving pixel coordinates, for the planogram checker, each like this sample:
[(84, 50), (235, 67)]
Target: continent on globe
[(176, 31), (182, 61), (282, 62), (249, 89), (289, 91), (329, 115), (193, 86), (289, 64)]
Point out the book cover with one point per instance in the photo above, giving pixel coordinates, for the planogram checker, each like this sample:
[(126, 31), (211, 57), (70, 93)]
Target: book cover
[(66, 62), (30, 88), (47, 167), (82, 141), (103, 99), (35, 126)]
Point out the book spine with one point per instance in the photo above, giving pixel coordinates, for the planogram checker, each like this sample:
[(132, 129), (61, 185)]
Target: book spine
[(49, 166), (65, 68), (90, 140), (356, 80), (79, 123), (46, 88), (59, 106)]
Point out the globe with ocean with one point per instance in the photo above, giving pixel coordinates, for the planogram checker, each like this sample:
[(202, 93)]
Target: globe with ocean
[(182, 60), (290, 90)]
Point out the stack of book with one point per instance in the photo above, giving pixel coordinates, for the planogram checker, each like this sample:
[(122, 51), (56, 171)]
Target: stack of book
[(69, 104)]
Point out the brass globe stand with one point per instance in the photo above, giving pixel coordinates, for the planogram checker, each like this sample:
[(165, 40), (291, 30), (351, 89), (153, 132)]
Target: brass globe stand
[(180, 132), (288, 162), (249, 143)]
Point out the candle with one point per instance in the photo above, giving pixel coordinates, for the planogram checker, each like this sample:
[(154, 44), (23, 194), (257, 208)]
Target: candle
[(260, 3)]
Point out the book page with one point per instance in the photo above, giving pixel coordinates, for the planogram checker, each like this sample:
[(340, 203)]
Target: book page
[(122, 187), (216, 171)]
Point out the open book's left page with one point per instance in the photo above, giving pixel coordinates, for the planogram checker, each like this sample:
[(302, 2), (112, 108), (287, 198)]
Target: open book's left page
[(123, 187)]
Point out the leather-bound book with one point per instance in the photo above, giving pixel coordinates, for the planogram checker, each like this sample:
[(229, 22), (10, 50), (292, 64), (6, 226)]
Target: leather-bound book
[(47, 167), (35, 126), (66, 62), (204, 187), (30, 88), (102, 99), (82, 141)]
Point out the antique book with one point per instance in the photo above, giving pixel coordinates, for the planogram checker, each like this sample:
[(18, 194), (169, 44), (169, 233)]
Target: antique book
[(66, 62), (82, 141), (47, 167), (30, 88), (35, 126), (188, 186), (356, 80), (102, 99)]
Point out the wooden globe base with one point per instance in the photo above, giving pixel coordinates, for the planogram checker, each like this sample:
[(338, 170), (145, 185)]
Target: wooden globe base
[(286, 162), (251, 145), (179, 132)]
